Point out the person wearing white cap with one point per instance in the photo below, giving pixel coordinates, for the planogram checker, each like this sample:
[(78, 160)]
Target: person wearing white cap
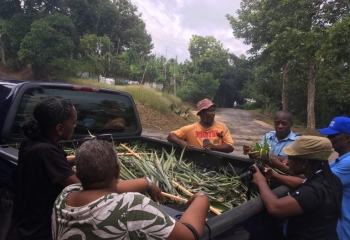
[(338, 132), (207, 133), (313, 206)]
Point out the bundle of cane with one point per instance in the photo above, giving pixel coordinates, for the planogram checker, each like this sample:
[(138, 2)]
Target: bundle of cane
[(262, 149)]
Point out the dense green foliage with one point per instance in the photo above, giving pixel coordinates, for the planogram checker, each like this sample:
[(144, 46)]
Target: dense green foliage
[(300, 55), (41, 34)]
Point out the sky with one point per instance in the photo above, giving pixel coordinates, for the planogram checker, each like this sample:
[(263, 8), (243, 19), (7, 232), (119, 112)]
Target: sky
[(172, 23)]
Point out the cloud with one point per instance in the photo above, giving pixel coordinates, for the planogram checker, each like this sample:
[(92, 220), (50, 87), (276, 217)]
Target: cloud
[(173, 23)]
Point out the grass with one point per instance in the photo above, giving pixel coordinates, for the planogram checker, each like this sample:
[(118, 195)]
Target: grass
[(154, 99)]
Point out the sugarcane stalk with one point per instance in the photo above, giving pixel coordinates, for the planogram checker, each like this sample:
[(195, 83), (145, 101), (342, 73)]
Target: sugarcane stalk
[(71, 157), (132, 152), (173, 197), (188, 193), (184, 190)]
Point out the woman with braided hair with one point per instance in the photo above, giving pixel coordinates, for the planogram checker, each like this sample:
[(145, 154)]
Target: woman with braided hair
[(43, 170)]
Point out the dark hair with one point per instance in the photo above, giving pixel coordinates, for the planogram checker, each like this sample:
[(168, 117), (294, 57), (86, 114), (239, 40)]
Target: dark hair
[(330, 177), (96, 161), (46, 115), (287, 114)]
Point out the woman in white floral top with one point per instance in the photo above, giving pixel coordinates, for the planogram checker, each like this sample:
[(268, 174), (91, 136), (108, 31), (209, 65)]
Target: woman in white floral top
[(101, 207)]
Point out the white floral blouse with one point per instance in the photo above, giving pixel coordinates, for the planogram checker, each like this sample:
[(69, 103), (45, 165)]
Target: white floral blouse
[(113, 216)]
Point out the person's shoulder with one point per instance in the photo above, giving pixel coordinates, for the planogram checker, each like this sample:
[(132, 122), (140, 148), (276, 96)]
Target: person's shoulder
[(294, 136), (218, 123), (70, 189), (270, 134), (189, 126)]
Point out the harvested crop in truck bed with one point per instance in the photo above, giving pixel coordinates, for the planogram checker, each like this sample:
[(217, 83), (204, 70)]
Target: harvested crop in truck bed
[(225, 191)]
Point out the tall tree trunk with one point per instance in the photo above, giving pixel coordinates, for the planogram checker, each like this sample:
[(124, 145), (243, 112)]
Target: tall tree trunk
[(285, 72), (17, 4), (311, 97), (3, 60)]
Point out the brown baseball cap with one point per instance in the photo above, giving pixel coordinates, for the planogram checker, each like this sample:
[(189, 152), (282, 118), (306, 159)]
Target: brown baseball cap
[(204, 104), (310, 147)]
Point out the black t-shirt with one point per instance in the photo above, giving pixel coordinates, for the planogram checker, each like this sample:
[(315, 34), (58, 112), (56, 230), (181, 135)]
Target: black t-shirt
[(319, 218), (42, 164)]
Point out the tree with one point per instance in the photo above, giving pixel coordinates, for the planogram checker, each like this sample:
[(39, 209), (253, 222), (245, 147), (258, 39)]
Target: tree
[(132, 29), (85, 15), (14, 31), (237, 75), (49, 38), (208, 55), (291, 32), (198, 86), (109, 22)]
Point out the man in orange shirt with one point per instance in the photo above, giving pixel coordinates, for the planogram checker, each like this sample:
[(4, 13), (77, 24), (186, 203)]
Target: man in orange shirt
[(207, 133)]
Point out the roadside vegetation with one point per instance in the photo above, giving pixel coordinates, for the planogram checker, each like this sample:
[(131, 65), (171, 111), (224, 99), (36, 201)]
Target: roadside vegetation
[(298, 61), (156, 100)]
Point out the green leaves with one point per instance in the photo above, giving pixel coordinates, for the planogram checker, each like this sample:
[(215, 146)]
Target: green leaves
[(49, 37), (295, 45)]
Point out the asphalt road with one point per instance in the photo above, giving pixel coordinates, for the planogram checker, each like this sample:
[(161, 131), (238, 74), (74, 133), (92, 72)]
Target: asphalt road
[(242, 125)]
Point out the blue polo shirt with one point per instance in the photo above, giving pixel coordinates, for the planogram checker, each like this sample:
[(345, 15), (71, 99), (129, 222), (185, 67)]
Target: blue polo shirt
[(341, 168), (277, 146)]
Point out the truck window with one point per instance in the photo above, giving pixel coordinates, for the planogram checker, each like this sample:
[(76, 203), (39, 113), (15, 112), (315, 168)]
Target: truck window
[(2, 89), (97, 112)]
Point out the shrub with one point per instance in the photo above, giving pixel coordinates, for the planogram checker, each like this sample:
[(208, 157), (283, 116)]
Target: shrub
[(250, 106)]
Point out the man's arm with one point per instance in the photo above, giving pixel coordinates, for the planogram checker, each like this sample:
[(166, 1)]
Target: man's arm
[(72, 179), (226, 148), (182, 143), (227, 142)]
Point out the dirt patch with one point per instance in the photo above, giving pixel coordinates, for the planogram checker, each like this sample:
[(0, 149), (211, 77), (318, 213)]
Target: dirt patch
[(261, 123), (158, 125), (6, 72)]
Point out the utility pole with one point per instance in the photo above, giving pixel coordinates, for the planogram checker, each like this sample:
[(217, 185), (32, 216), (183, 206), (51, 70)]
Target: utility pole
[(166, 52), (175, 80), (3, 60)]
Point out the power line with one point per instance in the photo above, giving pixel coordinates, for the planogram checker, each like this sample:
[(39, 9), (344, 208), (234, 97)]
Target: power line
[(165, 46), (173, 17), (164, 27), (160, 11), (170, 50)]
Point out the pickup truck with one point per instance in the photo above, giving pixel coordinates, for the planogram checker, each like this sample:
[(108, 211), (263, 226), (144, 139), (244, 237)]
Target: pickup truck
[(17, 100)]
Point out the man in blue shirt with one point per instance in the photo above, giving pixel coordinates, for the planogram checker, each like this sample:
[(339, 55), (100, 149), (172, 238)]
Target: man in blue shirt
[(277, 140), (338, 132)]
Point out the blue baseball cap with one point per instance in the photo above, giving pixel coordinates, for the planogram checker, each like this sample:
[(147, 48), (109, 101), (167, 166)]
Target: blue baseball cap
[(337, 125)]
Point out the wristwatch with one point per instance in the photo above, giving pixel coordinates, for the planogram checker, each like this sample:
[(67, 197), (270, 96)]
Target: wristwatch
[(149, 183)]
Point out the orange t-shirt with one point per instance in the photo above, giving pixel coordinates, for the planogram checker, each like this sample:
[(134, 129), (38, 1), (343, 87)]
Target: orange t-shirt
[(218, 134)]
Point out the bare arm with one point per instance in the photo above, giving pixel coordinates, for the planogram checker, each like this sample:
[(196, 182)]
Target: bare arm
[(226, 148), (278, 162), (72, 179), (278, 207), (289, 181), (140, 185), (182, 143), (70, 160), (194, 215)]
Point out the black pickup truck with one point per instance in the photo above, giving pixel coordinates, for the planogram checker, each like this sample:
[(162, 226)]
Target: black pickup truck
[(17, 100)]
